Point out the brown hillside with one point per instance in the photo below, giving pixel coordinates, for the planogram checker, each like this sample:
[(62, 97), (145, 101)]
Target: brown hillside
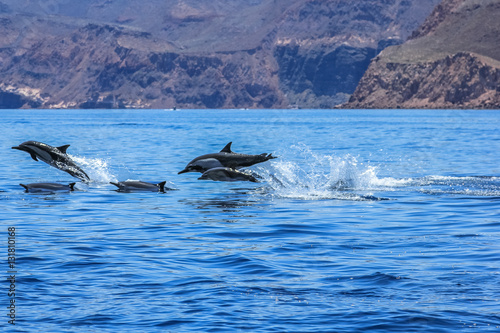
[(452, 61)]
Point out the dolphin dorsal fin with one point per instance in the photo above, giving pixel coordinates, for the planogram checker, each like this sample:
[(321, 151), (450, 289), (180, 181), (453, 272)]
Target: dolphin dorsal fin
[(227, 148), (162, 186), (62, 149), (72, 186)]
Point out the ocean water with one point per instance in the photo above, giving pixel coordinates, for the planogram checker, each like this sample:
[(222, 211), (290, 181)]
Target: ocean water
[(368, 221)]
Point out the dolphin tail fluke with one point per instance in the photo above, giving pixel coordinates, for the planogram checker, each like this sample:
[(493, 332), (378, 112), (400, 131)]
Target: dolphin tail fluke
[(162, 186), (227, 148), (25, 187), (270, 157), (116, 184), (267, 157), (72, 186)]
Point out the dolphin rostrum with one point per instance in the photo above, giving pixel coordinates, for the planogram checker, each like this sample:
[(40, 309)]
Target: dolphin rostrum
[(48, 187), (138, 186), (227, 175), (53, 156), (225, 159)]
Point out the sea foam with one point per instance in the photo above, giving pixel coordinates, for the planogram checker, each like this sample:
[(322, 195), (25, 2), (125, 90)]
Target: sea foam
[(303, 174)]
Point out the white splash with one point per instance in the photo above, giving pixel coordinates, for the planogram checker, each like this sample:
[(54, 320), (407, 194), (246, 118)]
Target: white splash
[(302, 174), (97, 169)]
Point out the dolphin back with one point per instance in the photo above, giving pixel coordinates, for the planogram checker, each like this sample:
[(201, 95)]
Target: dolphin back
[(139, 186), (48, 187)]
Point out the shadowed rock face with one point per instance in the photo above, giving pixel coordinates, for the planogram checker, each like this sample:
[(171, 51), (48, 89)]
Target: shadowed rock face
[(451, 61), (193, 53), (321, 79)]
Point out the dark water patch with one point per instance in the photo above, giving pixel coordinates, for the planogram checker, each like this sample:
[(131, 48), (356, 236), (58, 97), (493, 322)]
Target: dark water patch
[(133, 124), (193, 281), (146, 286), (28, 280), (376, 279), (412, 322), (241, 235), (467, 236), (92, 320), (29, 259), (174, 323), (229, 203), (76, 265), (380, 278), (90, 249)]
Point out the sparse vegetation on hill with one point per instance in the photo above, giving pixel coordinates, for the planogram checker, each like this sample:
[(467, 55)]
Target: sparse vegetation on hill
[(451, 61)]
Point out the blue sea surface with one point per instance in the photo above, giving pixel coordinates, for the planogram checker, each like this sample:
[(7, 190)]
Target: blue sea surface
[(368, 221)]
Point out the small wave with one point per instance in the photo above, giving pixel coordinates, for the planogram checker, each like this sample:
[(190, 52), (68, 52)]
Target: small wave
[(482, 186)]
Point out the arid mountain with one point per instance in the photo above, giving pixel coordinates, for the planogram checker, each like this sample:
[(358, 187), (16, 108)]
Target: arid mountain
[(193, 53), (451, 61)]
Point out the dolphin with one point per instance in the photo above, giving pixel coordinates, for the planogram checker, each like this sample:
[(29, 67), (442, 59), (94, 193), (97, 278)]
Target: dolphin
[(48, 187), (224, 159), (227, 175), (138, 186), (53, 156)]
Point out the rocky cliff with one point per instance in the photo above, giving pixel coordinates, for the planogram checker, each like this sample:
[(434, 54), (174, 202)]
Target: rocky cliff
[(193, 53), (451, 61)]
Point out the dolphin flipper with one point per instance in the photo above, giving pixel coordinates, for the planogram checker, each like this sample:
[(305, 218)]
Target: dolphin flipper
[(33, 156), (252, 179)]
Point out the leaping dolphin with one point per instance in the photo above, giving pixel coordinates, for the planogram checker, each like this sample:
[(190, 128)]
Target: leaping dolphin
[(48, 187), (138, 186), (225, 159), (227, 175), (53, 156)]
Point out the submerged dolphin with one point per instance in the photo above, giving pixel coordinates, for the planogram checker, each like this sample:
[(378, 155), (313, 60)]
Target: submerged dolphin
[(225, 159), (138, 186), (227, 175), (48, 187), (53, 156)]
